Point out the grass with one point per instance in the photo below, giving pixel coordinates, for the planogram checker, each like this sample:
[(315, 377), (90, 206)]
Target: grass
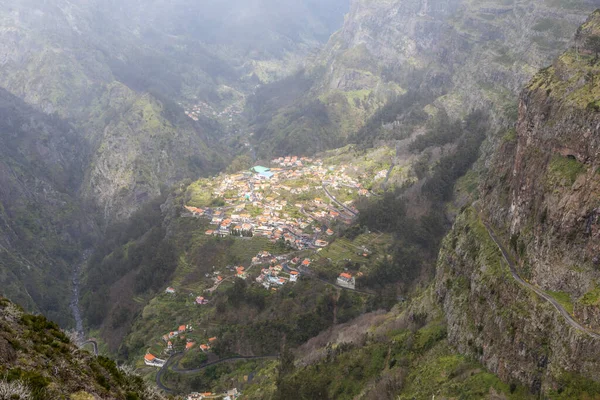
[(564, 170), (564, 299), (591, 298)]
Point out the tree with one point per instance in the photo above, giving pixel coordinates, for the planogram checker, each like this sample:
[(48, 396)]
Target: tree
[(593, 44)]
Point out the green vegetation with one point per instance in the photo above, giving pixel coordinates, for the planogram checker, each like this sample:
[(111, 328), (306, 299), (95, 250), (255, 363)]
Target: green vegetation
[(574, 386), (591, 298), (412, 362), (564, 299), (138, 246), (39, 362), (564, 170), (416, 242)]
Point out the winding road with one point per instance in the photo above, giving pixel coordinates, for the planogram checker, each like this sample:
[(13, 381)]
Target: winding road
[(171, 359), (337, 202), (93, 343), (570, 320)]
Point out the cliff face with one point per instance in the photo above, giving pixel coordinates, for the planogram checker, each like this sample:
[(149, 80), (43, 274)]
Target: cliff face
[(43, 224), (458, 55), (72, 60), (118, 69), (472, 54), (540, 194), (546, 189)]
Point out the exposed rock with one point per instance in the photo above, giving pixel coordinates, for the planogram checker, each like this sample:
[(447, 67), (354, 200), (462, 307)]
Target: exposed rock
[(7, 352), (541, 193)]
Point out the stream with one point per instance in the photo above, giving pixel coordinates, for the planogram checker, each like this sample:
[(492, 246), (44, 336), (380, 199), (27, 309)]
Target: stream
[(74, 304)]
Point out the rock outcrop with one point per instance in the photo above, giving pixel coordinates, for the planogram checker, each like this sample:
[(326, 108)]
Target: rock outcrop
[(540, 194)]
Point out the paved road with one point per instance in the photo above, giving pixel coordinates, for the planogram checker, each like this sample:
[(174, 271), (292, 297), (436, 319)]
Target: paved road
[(93, 343), (171, 361), (337, 202), (160, 373), (537, 290), (223, 360)]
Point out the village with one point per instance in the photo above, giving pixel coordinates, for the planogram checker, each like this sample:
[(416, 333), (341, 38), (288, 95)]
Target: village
[(277, 203), (203, 109), (292, 203)]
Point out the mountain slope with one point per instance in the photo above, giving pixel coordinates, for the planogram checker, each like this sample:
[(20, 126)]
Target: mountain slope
[(97, 127), (539, 195), (37, 361), (43, 225), (118, 69), (457, 55)]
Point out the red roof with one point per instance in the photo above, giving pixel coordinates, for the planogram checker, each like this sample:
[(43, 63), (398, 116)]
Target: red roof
[(212, 339), (345, 275), (149, 357), (306, 262), (181, 328), (189, 345), (293, 272)]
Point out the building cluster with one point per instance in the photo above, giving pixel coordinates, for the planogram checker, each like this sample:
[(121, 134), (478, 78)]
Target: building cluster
[(175, 339), (275, 202), (204, 109), (294, 161), (278, 271), (228, 395)]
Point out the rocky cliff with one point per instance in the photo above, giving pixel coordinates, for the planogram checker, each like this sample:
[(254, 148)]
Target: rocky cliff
[(118, 70), (43, 223), (458, 55), (541, 196), (38, 361)]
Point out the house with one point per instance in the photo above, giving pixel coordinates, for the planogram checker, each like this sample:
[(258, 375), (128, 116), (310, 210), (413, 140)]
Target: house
[(189, 345), (204, 347), (240, 272), (231, 394), (294, 276), (212, 339), (170, 290), (201, 300), (199, 396), (152, 361), (246, 228), (169, 345), (346, 280), (209, 232), (306, 262), (181, 329), (329, 232), (321, 243)]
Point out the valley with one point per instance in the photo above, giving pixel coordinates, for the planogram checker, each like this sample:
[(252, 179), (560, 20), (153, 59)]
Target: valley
[(300, 199)]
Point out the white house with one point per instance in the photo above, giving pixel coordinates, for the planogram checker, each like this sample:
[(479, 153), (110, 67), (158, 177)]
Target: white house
[(152, 361), (346, 280)]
